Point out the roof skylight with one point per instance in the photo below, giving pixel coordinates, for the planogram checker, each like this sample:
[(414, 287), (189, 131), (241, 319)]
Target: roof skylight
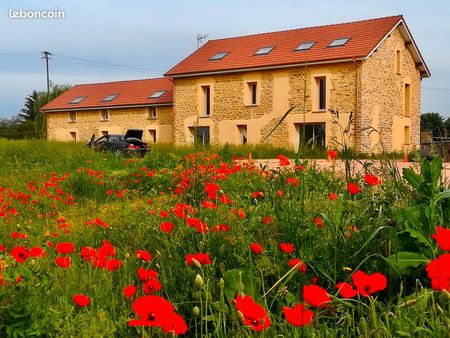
[(338, 42), (264, 50), (78, 99), (157, 94), (109, 98), (305, 46), (218, 56)]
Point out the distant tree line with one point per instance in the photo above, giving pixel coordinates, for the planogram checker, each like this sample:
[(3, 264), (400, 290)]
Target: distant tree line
[(435, 124), (30, 121)]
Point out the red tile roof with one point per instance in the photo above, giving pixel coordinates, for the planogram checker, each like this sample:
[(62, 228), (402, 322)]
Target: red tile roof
[(130, 93), (364, 37)]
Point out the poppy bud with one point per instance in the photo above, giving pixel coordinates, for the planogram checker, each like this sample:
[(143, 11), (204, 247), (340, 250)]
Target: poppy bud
[(221, 283), (195, 311), (199, 281), (240, 318), (363, 327), (196, 263), (446, 293), (127, 255)]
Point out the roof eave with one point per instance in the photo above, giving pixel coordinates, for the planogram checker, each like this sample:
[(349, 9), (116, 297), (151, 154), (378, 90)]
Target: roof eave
[(55, 110), (410, 44), (250, 69)]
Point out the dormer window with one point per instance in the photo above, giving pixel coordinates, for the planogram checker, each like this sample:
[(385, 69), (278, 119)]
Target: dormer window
[(218, 56), (338, 42), (157, 94), (109, 98), (77, 99), (305, 46), (264, 50)]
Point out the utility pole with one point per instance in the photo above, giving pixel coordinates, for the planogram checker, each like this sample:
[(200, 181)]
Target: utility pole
[(45, 55)]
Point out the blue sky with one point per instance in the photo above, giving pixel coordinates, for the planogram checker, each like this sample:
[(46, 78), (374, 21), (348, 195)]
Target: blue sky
[(150, 36)]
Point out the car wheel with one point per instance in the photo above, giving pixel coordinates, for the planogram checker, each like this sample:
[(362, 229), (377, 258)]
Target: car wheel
[(117, 152)]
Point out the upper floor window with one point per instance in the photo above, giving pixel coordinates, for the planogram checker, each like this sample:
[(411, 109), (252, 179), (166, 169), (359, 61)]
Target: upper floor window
[(157, 94), (206, 92), (72, 116), (398, 62), (407, 96), (305, 46), (252, 92), (152, 113), (321, 93), (109, 98), (264, 50), (78, 99), (104, 115)]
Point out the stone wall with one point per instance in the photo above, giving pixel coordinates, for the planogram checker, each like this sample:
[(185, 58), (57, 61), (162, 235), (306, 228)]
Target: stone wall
[(89, 122), (382, 99), (277, 92)]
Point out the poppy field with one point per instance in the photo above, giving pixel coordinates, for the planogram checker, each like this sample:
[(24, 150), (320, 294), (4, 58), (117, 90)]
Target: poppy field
[(202, 243)]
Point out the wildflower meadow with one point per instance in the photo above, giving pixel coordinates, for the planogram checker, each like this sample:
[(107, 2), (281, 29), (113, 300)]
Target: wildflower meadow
[(206, 243)]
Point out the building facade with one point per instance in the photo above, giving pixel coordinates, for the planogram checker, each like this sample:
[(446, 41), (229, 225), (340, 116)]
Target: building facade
[(112, 108), (237, 90)]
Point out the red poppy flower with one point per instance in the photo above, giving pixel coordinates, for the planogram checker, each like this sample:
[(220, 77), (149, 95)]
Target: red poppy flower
[(166, 227), (267, 220), (254, 314), (107, 249), (113, 264), (353, 188), (284, 161), (88, 253), (144, 255), (332, 196), (439, 273), (369, 284), (146, 275), (2, 248), (175, 324), (36, 252), (298, 315), (332, 154), (442, 237), (152, 311), (151, 286), (209, 205), (211, 190), (81, 300), (225, 199), (19, 253), (346, 290), (64, 248), (63, 261), (163, 214), (256, 248), (221, 228), (301, 267), (318, 221), (287, 247), (129, 291), (202, 258), (292, 181), (371, 180), (280, 193), (316, 296)]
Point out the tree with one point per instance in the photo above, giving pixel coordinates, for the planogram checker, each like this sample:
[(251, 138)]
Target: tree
[(447, 125), (433, 123), (30, 109)]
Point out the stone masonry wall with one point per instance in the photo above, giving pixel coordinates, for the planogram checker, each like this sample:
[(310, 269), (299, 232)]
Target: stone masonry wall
[(88, 122), (382, 98)]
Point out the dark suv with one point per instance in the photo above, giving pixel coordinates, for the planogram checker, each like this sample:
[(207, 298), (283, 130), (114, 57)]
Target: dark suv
[(129, 144)]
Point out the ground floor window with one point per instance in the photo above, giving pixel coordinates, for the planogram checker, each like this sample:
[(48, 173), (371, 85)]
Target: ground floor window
[(152, 134), (73, 136), (311, 134), (200, 135), (242, 128), (104, 132)]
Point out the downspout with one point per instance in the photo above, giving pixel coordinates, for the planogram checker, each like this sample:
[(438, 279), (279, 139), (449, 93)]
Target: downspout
[(357, 117)]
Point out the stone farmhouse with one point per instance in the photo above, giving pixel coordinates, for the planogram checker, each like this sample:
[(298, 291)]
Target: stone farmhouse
[(236, 90)]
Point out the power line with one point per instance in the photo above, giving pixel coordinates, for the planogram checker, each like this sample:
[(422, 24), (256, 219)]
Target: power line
[(106, 64)]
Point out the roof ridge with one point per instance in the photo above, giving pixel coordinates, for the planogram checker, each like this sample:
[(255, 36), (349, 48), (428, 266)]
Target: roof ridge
[(400, 16), (121, 81)]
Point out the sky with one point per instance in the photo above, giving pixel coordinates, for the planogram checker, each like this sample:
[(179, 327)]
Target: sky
[(110, 40)]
